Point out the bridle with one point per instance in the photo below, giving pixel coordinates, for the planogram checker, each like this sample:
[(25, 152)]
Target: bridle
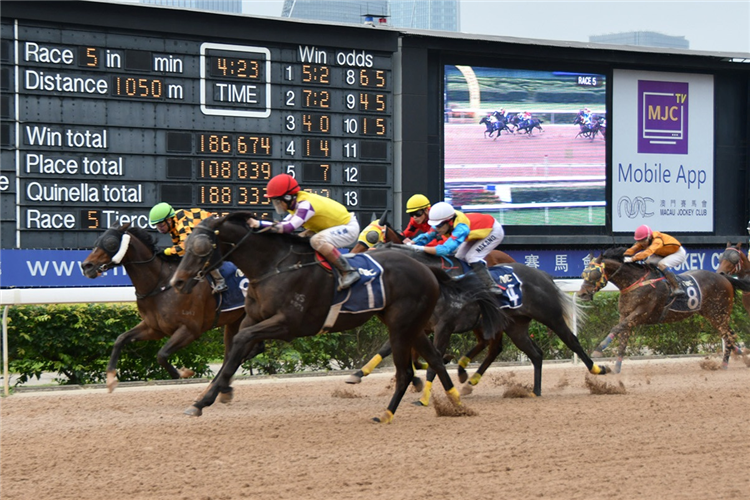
[(116, 256), (734, 257)]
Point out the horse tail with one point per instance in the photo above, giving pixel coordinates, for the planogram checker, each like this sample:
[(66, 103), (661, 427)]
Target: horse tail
[(573, 311), (742, 284), (471, 289)]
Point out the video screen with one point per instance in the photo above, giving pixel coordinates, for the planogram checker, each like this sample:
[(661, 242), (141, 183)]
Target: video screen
[(526, 146)]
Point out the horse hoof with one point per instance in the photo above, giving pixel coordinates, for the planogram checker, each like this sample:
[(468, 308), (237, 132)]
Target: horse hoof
[(418, 384), (185, 372), (194, 411), (353, 379), (462, 375), (597, 354), (112, 381), (466, 390), (226, 397), (419, 403), (387, 418)]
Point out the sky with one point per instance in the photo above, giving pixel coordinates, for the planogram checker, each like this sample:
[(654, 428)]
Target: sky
[(715, 26)]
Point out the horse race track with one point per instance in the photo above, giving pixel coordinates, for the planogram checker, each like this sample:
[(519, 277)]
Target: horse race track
[(678, 433)]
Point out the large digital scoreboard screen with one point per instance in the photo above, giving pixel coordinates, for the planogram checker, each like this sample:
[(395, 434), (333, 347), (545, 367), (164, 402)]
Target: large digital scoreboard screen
[(99, 124)]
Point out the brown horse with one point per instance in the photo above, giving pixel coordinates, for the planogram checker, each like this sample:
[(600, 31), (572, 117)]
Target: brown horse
[(164, 312), (290, 295), (734, 262), (645, 299)]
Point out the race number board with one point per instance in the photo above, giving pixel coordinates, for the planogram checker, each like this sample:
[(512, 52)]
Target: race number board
[(99, 124)]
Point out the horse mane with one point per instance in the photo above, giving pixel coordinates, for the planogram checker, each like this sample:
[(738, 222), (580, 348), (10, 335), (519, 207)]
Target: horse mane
[(144, 236), (616, 253)]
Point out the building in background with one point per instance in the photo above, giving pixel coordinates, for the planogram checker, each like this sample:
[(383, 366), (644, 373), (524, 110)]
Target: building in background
[(642, 38), (440, 15), (229, 6), (334, 11)]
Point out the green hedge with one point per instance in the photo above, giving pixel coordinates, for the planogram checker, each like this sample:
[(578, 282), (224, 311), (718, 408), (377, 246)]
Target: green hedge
[(75, 341)]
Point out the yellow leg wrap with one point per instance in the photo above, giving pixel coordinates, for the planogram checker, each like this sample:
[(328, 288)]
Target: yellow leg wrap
[(387, 418), (596, 369), (426, 393), (370, 366), (455, 397), (423, 365), (474, 380), (464, 362)]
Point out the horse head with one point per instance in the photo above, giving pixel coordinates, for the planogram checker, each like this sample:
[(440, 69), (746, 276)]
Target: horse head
[(594, 279), (732, 260), (202, 254), (111, 248)]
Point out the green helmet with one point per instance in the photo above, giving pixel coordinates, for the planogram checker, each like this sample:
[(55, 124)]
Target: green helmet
[(160, 212)]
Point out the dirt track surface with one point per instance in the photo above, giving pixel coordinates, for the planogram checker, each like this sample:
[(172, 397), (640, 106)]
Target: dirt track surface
[(678, 432)]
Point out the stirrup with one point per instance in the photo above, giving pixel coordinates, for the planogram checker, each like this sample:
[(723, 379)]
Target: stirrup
[(679, 292), (347, 279), (219, 287)]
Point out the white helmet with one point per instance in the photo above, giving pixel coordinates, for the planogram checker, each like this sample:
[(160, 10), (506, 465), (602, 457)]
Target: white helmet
[(441, 212)]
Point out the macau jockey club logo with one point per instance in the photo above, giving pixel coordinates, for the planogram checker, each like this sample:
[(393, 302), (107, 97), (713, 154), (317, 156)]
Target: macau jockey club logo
[(662, 117), (637, 207)]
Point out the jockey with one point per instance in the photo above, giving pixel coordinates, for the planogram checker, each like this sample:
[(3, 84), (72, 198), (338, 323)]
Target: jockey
[(418, 208), (179, 225), (661, 249), (586, 117), (471, 237), (331, 225)]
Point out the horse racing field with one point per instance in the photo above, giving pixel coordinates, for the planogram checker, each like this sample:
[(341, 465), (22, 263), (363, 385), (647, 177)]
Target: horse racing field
[(677, 432)]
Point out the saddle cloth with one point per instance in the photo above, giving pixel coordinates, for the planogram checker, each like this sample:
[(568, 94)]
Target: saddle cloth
[(366, 295), (693, 298), (506, 279), (234, 297)]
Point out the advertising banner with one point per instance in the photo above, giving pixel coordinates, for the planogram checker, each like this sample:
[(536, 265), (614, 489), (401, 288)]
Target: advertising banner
[(662, 151)]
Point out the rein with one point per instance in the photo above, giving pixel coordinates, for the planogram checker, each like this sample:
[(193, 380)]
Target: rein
[(116, 261), (642, 281)]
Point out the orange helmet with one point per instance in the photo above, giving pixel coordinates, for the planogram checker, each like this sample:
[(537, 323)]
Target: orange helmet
[(282, 185), (642, 233)]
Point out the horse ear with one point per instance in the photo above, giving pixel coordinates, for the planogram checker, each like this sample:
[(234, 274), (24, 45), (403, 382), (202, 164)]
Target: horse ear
[(382, 220), (729, 244)]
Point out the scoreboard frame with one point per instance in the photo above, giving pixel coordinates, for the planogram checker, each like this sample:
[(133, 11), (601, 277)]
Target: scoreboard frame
[(110, 109)]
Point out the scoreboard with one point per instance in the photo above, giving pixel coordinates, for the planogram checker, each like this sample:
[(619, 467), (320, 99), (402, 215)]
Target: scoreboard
[(101, 123)]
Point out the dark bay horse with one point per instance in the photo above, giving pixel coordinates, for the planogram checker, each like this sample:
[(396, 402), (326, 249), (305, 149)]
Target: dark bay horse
[(164, 312), (645, 299), (734, 262), (290, 295), (542, 301)]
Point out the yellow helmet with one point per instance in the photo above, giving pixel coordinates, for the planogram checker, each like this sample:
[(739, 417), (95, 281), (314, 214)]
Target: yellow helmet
[(417, 202)]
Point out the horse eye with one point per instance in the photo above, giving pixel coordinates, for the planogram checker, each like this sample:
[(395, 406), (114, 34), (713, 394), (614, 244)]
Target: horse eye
[(201, 246), (110, 244)]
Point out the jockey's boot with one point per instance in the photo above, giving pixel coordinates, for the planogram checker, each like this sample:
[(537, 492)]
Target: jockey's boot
[(677, 290), (348, 276), (219, 284), (480, 269)]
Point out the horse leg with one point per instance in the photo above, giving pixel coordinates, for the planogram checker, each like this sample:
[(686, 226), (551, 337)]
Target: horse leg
[(495, 348), (721, 323), (243, 345), (141, 331), (179, 339), (434, 359), (404, 373), (440, 342), (518, 332), (569, 339), (384, 352), (473, 353)]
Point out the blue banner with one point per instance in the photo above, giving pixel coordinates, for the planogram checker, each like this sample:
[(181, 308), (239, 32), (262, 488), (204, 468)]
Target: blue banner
[(62, 268), (52, 269)]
